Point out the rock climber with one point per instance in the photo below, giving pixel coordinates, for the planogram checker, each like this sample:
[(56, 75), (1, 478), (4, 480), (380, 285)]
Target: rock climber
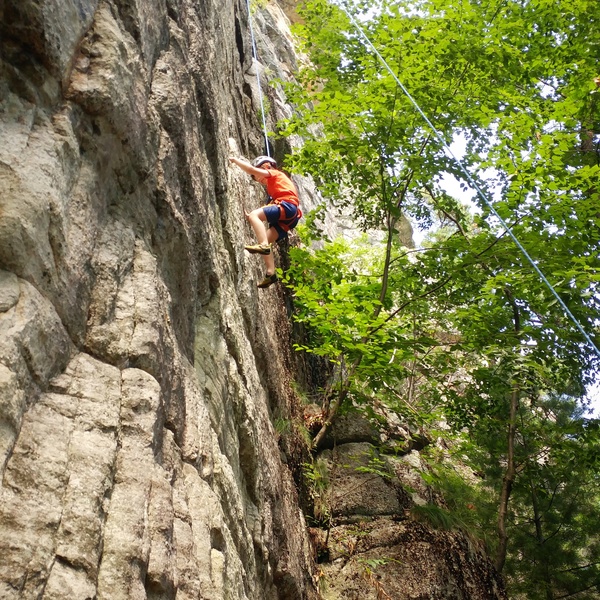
[(282, 212)]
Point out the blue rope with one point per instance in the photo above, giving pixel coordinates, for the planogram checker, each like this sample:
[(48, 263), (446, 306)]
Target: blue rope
[(260, 94), (473, 183)]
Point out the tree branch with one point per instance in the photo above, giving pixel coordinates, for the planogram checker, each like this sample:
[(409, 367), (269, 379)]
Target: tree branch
[(585, 589)]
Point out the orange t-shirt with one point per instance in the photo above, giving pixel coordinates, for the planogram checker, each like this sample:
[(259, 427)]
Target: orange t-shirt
[(281, 188)]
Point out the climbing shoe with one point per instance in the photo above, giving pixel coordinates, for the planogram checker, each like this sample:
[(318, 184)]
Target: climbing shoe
[(259, 249), (268, 280)]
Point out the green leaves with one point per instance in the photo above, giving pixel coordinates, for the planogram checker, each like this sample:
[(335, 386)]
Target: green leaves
[(461, 323)]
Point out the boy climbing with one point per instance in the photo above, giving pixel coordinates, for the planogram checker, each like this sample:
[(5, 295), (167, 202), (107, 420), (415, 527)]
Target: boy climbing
[(282, 213)]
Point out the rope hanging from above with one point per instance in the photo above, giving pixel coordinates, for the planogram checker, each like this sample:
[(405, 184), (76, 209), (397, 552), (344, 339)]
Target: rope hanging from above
[(260, 94)]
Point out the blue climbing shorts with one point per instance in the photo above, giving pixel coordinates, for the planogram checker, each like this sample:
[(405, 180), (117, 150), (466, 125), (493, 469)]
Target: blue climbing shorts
[(273, 214)]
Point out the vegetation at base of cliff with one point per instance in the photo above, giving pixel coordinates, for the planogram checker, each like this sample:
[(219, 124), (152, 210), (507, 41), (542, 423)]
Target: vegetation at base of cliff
[(468, 503), (317, 477), (462, 328)]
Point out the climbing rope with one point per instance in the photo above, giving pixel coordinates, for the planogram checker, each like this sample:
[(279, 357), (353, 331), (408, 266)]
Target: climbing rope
[(471, 180), (260, 94)]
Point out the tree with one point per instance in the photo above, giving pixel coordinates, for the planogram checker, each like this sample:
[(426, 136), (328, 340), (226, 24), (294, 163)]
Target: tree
[(467, 315), (373, 139)]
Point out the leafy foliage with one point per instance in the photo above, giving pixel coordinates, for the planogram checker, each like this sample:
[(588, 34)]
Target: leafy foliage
[(317, 476), (463, 327)]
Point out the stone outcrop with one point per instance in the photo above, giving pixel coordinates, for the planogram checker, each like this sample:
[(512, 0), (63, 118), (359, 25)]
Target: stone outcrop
[(374, 543), (139, 365), (405, 559)]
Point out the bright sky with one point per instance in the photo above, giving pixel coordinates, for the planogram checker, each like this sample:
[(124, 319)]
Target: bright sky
[(593, 394)]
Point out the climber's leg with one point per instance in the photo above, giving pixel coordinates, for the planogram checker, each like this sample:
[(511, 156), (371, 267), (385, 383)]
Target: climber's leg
[(257, 219), (272, 237)]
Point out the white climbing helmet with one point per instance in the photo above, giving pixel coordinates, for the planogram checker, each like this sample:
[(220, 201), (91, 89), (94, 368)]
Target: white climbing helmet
[(261, 160)]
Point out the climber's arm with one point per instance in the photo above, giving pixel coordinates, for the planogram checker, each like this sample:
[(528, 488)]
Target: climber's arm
[(246, 166)]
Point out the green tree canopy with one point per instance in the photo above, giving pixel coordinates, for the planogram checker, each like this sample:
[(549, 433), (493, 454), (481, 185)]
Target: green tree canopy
[(463, 326)]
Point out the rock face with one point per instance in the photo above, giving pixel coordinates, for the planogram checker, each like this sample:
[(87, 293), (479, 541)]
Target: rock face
[(374, 543), (139, 366), (406, 560), (376, 548)]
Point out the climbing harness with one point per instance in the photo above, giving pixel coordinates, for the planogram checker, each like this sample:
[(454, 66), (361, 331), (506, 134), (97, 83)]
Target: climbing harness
[(260, 94), (290, 214), (438, 135)]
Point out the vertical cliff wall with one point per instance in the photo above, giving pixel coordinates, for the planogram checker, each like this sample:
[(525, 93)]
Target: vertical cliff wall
[(139, 365)]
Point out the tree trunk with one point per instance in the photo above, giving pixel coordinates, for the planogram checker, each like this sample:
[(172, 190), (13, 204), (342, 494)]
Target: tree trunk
[(346, 382), (335, 404), (507, 482), (539, 534)]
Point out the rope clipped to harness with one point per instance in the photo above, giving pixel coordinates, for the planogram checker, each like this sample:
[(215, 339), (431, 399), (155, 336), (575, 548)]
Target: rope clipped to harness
[(288, 222)]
